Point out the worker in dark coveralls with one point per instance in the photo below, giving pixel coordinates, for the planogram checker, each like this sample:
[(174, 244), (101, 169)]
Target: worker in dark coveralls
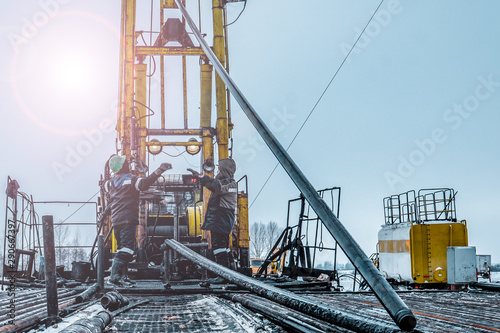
[(124, 189), (221, 208)]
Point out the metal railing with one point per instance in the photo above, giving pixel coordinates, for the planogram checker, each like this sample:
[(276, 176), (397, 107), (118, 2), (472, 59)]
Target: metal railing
[(437, 204)]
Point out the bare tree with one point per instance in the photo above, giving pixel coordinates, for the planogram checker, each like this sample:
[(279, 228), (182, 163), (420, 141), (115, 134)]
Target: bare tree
[(273, 232), (262, 238), (77, 253), (257, 239), (61, 233)]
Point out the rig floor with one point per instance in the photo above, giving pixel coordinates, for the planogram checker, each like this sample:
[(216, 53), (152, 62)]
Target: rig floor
[(225, 308)]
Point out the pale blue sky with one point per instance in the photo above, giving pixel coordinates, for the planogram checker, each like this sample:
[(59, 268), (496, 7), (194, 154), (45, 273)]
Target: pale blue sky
[(416, 66)]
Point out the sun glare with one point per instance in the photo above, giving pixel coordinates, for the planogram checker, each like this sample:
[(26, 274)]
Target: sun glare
[(73, 83), (73, 73)]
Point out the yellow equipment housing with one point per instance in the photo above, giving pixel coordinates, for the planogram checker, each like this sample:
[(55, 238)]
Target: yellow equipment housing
[(412, 245), (429, 244)]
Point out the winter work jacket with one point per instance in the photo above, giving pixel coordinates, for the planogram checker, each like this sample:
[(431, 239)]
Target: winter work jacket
[(220, 215), (124, 190)]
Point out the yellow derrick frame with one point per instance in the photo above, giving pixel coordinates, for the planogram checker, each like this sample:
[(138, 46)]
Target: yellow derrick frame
[(133, 98)]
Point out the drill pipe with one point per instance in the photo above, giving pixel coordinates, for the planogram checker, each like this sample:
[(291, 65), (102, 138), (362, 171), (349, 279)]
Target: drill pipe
[(297, 302), (295, 320), (486, 286), (113, 301), (399, 312), (87, 294), (95, 324), (23, 322), (33, 300), (36, 308)]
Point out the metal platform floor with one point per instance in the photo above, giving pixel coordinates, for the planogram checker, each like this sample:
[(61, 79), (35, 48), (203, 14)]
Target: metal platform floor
[(209, 310), (191, 313), (191, 308)]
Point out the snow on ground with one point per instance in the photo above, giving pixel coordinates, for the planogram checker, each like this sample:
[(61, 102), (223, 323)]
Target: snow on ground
[(347, 279)]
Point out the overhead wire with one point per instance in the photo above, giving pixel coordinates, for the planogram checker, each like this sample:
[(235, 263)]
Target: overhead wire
[(244, 6), (319, 100)]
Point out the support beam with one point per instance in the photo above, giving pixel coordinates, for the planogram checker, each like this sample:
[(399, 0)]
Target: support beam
[(220, 88), (100, 262), (193, 132), (168, 51), (128, 74), (399, 312), (50, 269)]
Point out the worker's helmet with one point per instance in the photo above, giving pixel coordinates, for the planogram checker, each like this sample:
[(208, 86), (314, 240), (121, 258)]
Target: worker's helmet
[(116, 163)]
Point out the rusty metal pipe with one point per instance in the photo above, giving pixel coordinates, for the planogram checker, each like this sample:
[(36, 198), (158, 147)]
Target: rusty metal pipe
[(28, 300), (94, 324), (27, 311), (87, 294), (30, 319), (284, 297), (291, 318), (100, 262), (399, 312), (50, 268)]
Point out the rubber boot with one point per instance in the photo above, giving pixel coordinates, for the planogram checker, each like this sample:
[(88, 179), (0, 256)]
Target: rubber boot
[(127, 282), (117, 272), (221, 259), (231, 261)]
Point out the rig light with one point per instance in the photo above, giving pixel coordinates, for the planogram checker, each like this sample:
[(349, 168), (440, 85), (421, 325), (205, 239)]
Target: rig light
[(156, 148), (193, 149), (209, 165)]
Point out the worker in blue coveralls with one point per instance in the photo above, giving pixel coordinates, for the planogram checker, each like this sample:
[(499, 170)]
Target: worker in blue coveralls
[(124, 189), (221, 209)]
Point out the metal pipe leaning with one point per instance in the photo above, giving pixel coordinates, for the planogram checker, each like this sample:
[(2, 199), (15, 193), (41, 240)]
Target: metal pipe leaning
[(297, 302), (399, 312), (87, 294)]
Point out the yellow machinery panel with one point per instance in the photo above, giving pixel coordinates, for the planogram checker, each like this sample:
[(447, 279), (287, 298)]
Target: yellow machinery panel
[(195, 220), (243, 228), (429, 244)]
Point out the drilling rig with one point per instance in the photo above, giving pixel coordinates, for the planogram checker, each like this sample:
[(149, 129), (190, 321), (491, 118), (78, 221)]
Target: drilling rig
[(153, 116)]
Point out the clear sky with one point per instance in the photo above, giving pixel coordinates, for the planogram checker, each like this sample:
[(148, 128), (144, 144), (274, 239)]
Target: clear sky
[(414, 106)]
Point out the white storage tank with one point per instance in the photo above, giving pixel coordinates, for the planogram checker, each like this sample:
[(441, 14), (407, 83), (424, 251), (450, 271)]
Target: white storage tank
[(394, 251)]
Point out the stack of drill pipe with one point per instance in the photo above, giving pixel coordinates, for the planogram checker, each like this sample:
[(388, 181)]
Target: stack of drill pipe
[(72, 284), (113, 301), (95, 324), (291, 318), (35, 306), (486, 286), (337, 316), (28, 302), (34, 316)]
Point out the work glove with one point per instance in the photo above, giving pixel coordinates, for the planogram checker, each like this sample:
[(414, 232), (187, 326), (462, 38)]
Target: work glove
[(194, 172), (163, 167)]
